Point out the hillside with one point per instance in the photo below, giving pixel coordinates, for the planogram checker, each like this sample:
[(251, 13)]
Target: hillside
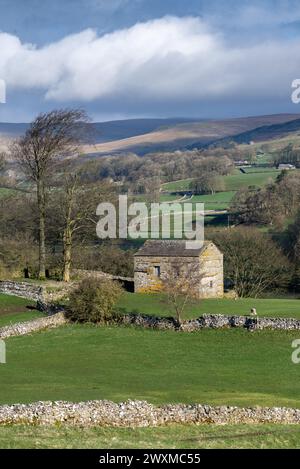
[(267, 132), (107, 131), (12, 129), (188, 134), (146, 135)]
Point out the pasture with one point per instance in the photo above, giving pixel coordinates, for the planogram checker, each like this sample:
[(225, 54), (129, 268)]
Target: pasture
[(217, 367), (233, 182), (237, 180), (14, 309), (257, 177), (155, 304), (175, 436), (83, 362)]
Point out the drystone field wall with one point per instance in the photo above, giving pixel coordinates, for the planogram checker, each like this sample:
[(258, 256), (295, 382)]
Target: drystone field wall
[(22, 289), (39, 324), (220, 321), (82, 274), (37, 292), (139, 414), (215, 321), (207, 321)]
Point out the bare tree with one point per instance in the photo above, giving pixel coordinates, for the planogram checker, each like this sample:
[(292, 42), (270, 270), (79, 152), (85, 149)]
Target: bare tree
[(70, 193), (77, 204), (50, 137), (207, 183), (181, 285), (253, 262)]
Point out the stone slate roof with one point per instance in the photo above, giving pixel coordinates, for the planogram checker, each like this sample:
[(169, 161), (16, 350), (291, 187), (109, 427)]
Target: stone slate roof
[(169, 248)]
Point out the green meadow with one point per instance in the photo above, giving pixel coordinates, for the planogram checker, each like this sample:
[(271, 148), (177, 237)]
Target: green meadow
[(175, 436), (14, 309), (83, 362), (217, 367), (153, 303), (257, 177)]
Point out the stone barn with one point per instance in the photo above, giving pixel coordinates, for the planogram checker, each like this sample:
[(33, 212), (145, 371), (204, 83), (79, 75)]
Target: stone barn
[(156, 258)]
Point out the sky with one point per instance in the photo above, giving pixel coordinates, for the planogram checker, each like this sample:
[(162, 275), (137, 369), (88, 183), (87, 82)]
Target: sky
[(120, 59)]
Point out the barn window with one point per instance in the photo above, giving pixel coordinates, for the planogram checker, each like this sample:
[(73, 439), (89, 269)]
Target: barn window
[(157, 271), (211, 284)]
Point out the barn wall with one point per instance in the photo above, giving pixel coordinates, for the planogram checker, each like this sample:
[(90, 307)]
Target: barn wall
[(212, 283), (210, 273), (144, 278)]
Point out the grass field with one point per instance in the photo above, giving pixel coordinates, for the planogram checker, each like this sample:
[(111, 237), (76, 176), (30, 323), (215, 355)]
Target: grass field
[(237, 180), (77, 363), (151, 303), (180, 185), (14, 309), (217, 201), (233, 182), (175, 436), (218, 367), (9, 301)]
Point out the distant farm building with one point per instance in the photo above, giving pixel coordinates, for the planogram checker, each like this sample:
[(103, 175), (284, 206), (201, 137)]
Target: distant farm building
[(155, 261)]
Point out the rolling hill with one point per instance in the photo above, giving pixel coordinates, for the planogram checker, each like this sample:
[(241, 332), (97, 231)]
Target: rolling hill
[(266, 132), (146, 135), (189, 134), (107, 131)]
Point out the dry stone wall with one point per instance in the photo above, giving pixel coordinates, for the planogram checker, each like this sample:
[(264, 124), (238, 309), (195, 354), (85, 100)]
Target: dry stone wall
[(82, 274), (22, 289), (140, 414), (214, 321), (26, 327), (39, 293)]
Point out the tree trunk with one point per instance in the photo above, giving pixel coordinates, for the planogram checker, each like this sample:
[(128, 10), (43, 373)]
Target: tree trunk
[(42, 209), (178, 317), (67, 254)]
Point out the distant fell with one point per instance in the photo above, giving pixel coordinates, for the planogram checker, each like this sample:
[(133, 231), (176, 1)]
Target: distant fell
[(149, 135)]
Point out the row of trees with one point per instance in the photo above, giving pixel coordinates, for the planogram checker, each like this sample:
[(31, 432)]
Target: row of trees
[(276, 206), (64, 205), (207, 179), (144, 175), (253, 262), (271, 205), (50, 138), (289, 154)]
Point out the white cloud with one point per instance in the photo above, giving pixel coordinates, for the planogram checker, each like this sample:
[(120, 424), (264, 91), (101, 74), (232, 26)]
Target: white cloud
[(167, 58)]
